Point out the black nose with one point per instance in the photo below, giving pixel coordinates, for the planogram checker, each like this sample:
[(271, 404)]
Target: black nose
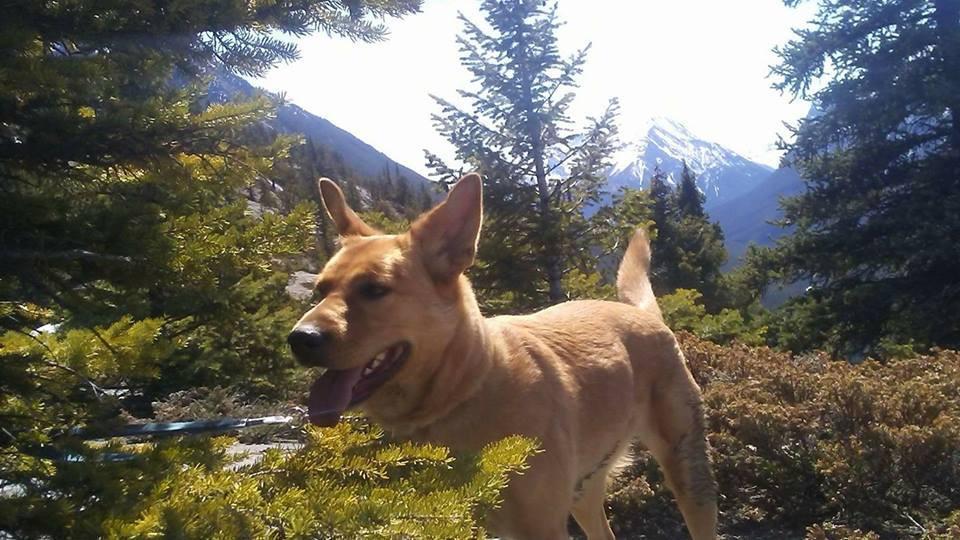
[(306, 343)]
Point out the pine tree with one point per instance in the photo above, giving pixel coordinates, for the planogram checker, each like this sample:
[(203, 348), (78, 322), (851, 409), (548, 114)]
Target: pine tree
[(133, 264), (663, 245), (700, 244), (402, 194), (876, 230), (424, 199), (345, 482), (688, 251), (352, 195), (701, 255), (615, 225), (515, 129), (689, 198)]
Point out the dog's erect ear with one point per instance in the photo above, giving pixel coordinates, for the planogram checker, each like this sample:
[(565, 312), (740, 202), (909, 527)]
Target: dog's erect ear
[(447, 235), (347, 221)]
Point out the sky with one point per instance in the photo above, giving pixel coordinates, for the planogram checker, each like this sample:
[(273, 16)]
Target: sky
[(703, 63)]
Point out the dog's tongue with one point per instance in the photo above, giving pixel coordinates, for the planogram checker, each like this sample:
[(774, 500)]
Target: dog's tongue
[(330, 395)]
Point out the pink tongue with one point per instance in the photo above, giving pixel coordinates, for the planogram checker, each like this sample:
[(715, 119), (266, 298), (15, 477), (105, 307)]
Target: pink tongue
[(330, 395)]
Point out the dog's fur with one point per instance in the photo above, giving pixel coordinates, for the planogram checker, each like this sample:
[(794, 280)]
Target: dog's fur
[(584, 378)]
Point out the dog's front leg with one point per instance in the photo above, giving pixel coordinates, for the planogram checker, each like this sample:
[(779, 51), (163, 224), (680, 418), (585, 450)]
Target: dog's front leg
[(537, 504)]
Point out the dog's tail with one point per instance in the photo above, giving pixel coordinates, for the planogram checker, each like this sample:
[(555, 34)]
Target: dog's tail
[(633, 278)]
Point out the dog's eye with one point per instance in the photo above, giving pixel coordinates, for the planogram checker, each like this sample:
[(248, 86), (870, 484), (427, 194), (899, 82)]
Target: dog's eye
[(373, 291)]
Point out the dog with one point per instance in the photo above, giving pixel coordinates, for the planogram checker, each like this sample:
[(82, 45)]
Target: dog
[(399, 331)]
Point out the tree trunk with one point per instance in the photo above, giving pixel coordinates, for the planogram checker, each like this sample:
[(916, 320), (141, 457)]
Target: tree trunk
[(551, 255), (551, 251)]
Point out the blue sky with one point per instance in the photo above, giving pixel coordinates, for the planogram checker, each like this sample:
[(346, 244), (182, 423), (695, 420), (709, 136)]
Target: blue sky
[(703, 63)]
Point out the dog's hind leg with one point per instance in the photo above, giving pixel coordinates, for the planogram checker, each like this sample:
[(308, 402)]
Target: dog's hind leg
[(677, 440), (588, 508)]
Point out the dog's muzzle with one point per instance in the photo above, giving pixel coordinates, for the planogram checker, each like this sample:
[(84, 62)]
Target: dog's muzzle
[(307, 344)]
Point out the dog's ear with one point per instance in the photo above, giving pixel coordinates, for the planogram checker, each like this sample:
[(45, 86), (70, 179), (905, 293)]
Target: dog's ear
[(447, 235), (347, 221)]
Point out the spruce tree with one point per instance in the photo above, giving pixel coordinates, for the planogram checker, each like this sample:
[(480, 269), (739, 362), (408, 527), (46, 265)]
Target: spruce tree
[(133, 264), (402, 195), (700, 245), (663, 245), (876, 230), (688, 251), (424, 199), (513, 127), (689, 198)]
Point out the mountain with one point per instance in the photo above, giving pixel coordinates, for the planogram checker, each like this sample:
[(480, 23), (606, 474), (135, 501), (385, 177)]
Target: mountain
[(747, 218), (742, 195), (359, 156), (722, 174)]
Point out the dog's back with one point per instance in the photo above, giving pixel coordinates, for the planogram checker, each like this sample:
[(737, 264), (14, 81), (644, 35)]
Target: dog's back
[(594, 376)]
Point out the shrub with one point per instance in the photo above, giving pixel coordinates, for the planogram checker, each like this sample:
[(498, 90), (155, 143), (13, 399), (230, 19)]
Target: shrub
[(817, 447), (346, 482), (684, 310)]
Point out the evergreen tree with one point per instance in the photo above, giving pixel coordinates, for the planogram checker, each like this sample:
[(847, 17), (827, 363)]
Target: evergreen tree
[(402, 194), (876, 230), (688, 250), (689, 198), (515, 129), (133, 264), (352, 195), (700, 245), (345, 482), (663, 245), (424, 199), (700, 257)]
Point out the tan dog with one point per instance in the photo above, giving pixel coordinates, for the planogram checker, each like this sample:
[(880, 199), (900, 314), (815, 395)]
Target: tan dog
[(403, 340)]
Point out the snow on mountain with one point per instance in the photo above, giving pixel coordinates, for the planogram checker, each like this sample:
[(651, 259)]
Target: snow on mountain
[(722, 174)]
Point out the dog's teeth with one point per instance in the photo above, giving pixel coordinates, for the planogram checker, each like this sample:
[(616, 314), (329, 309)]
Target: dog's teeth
[(380, 357), (376, 362)]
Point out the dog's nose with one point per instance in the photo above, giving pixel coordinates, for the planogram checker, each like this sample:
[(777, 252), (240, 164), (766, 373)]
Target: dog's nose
[(306, 342)]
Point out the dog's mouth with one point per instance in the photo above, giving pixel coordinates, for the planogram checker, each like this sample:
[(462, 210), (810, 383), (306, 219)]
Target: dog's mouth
[(338, 389)]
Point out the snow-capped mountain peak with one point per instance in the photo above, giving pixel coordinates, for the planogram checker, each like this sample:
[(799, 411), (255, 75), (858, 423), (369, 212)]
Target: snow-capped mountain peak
[(722, 174)]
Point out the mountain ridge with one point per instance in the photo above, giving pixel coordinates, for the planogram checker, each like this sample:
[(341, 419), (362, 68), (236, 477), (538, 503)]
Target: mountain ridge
[(743, 196), (722, 174), (748, 218), (362, 157)]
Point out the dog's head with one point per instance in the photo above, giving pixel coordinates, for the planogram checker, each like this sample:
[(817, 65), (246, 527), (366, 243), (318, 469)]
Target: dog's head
[(388, 304)]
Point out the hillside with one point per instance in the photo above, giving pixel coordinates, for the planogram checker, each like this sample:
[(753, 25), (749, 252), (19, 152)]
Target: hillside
[(748, 217), (368, 162)]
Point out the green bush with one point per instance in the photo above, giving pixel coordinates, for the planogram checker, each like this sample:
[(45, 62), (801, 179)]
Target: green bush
[(818, 447), (684, 310), (346, 482)]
